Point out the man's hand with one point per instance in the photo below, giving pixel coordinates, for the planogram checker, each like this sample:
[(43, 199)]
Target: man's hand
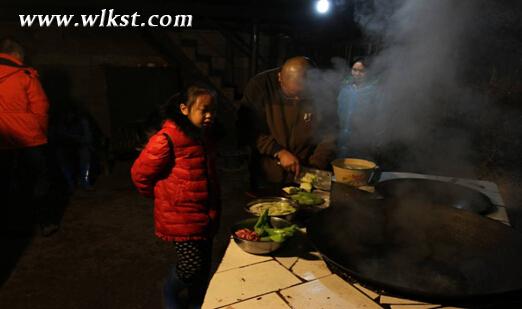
[(288, 161)]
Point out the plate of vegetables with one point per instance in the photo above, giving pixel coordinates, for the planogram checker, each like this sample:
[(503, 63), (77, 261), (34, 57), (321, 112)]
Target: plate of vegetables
[(304, 195), (307, 198)]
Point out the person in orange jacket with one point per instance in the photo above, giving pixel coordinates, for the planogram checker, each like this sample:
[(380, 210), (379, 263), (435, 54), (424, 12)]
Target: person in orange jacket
[(23, 103), (23, 137)]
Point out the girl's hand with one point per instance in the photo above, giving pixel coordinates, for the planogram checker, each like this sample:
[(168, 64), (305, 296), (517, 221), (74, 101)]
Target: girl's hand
[(288, 161)]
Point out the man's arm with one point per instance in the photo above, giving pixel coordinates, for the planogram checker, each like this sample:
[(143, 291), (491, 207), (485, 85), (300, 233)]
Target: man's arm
[(324, 153), (265, 143)]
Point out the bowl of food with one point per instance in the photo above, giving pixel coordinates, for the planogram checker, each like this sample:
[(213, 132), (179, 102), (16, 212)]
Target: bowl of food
[(262, 235), (280, 207), (355, 172)]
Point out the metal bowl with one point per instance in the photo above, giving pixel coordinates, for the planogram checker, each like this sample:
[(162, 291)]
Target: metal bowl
[(288, 217), (257, 247)]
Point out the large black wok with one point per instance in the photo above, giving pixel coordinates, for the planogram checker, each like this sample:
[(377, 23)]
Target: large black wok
[(439, 192), (418, 248)]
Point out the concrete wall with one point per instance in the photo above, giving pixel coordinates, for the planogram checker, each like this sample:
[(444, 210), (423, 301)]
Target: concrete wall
[(80, 56)]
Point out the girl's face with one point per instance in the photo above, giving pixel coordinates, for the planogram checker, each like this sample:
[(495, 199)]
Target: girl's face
[(358, 71), (201, 112)]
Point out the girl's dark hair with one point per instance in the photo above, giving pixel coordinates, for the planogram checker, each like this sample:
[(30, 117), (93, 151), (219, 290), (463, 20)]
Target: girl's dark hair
[(171, 109), (362, 60)]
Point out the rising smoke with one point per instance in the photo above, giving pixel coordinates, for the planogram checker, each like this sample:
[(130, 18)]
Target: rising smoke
[(433, 62), (427, 101), (419, 82), (426, 112)]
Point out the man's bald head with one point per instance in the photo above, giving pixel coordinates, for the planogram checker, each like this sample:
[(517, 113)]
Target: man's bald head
[(292, 76)]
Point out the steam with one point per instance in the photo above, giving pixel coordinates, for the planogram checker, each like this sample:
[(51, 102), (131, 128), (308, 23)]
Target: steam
[(417, 69), (427, 50), (419, 82), (423, 105)]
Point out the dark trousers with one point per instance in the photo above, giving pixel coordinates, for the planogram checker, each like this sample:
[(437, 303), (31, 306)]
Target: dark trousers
[(188, 280), (25, 188), (74, 162)]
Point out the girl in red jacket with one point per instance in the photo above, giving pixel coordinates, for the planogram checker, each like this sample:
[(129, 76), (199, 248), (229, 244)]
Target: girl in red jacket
[(177, 168)]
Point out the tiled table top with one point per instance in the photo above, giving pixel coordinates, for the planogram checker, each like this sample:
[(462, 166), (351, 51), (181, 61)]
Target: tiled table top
[(298, 278)]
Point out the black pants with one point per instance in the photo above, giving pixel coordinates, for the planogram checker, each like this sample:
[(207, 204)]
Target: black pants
[(191, 273), (25, 188)]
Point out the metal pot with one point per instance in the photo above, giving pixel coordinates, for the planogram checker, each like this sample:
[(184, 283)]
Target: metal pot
[(288, 217), (356, 172), (257, 247)]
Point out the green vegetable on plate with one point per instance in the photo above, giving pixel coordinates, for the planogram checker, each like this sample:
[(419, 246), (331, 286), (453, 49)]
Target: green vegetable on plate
[(267, 233), (307, 198)]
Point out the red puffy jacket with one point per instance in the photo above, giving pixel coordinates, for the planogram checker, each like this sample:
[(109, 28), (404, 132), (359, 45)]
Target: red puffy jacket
[(23, 107), (186, 193)]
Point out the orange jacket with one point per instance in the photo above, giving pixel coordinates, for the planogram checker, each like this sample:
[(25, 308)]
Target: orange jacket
[(23, 107)]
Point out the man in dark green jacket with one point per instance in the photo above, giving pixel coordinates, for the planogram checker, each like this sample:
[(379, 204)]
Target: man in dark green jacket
[(290, 129)]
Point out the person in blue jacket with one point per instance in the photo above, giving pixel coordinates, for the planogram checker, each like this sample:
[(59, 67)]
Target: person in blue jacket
[(356, 107)]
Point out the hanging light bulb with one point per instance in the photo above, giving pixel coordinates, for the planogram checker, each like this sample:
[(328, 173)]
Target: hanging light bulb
[(322, 6)]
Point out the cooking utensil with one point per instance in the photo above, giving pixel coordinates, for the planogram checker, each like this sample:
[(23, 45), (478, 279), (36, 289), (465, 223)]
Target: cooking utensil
[(418, 248), (436, 192), (258, 247)]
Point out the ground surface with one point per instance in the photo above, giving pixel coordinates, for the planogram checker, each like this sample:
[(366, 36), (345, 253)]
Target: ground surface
[(106, 256)]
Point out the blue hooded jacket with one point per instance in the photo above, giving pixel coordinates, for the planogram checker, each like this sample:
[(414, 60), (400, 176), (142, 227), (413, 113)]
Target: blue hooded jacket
[(355, 104)]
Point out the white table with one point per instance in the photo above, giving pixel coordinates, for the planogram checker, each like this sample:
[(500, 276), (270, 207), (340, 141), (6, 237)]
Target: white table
[(296, 277)]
